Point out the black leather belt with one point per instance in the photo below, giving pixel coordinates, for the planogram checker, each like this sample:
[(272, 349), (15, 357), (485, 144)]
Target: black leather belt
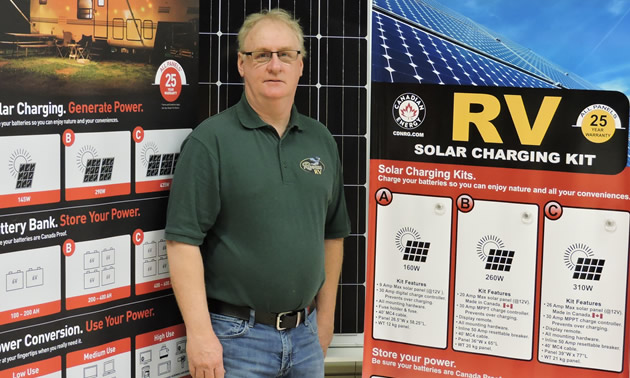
[(281, 321)]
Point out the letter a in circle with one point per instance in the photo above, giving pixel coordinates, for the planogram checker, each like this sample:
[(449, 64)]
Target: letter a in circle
[(384, 196)]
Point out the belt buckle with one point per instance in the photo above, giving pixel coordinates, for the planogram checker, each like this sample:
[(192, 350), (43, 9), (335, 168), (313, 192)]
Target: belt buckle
[(283, 314)]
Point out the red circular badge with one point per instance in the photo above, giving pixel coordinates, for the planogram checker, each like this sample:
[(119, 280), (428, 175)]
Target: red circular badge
[(465, 203), (170, 84), (138, 134), (384, 196), (553, 210), (68, 138), (68, 247), (138, 236)]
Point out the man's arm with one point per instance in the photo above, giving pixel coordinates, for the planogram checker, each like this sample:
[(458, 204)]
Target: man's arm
[(327, 296), (205, 354)]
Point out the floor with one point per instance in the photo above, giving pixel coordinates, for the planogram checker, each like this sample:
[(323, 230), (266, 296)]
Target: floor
[(343, 370), (344, 363)]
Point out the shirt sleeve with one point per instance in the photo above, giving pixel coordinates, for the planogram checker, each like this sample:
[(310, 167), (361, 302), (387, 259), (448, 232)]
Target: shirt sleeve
[(337, 219), (194, 200)]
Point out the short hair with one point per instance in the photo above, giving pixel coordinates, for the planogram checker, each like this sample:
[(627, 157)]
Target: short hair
[(276, 14)]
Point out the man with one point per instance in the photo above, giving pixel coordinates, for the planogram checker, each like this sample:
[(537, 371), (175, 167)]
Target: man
[(256, 221)]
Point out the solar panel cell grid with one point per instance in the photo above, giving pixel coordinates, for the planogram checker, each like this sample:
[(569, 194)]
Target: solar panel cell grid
[(499, 259), (416, 250), (25, 176), (166, 167), (588, 269), (107, 168), (332, 89), (402, 53), (446, 24), (415, 41), (175, 161), (91, 170), (153, 167)]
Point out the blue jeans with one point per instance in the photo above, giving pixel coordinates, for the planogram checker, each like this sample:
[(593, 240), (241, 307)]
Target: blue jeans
[(252, 350)]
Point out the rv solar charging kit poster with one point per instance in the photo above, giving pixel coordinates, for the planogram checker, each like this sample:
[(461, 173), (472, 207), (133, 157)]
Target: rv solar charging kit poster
[(499, 222), (97, 98)]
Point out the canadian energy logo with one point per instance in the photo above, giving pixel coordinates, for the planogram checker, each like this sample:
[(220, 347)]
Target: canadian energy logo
[(408, 111)]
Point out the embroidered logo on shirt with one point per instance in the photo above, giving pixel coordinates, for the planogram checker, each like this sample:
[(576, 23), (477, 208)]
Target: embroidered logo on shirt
[(313, 164)]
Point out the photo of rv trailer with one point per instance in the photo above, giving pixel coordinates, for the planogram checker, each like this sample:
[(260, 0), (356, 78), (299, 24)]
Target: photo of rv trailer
[(155, 28)]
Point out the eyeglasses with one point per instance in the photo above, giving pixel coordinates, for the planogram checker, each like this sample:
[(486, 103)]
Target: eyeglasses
[(285, 56)]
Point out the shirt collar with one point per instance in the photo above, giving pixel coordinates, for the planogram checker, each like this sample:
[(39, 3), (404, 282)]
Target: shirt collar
[(250, 119)]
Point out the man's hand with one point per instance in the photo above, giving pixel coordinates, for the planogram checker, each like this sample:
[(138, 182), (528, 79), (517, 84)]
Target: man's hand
[(205, 353), (327, 295), (205, 356), (325, 330)]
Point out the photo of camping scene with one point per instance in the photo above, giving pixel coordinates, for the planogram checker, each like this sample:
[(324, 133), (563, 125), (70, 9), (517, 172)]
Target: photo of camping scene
[(94, 46)]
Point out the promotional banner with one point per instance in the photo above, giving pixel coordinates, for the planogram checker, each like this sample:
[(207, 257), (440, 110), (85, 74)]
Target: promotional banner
[(498, 233), (97, 98)]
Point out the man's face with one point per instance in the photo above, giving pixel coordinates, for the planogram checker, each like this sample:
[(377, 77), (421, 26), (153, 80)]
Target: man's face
[(275, 79)]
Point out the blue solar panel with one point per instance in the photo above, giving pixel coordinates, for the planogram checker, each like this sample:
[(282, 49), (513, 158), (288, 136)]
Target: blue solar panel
[(404, 53), (433, 18)]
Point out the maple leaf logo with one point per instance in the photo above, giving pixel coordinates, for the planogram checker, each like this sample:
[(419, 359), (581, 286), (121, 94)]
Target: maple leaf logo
[(408, 111)]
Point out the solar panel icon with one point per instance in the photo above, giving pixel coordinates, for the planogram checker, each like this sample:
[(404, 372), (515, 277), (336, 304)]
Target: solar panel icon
[(99, 170), (107, 167), (588, 269), (416, 250), (499, 259), (175, 162), (92, 168), (154, 165), (25, 176), (162, 165), (167, 164)]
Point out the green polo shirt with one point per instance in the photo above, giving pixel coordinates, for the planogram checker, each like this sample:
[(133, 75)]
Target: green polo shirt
[(259, 206)]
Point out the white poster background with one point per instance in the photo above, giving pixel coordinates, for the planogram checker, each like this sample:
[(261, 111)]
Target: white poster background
[(98, 145), (157, 142), (598, 234), (110, 269), (507, 226), (41, 150), (427, 219), (47, 288)]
